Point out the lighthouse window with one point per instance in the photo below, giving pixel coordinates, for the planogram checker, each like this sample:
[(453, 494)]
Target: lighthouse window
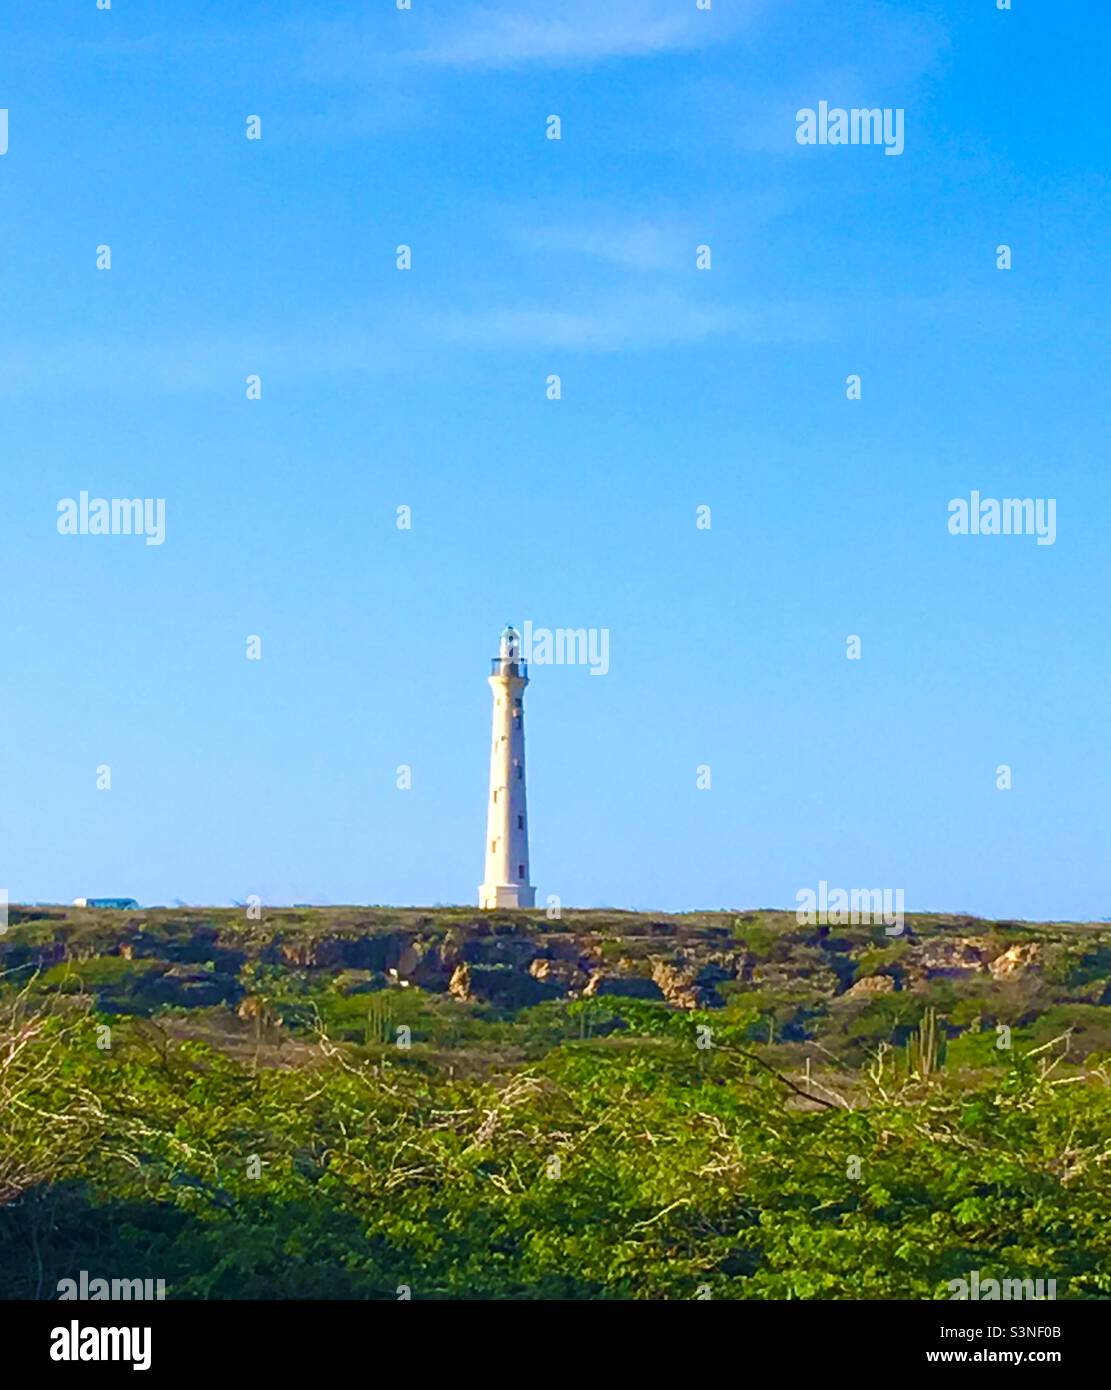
[(493, 846), (520, 871), (520, 822), (520, 772)]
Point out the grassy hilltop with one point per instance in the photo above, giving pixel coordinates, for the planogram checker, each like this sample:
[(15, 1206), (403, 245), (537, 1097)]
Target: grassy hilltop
[(344, 1102)]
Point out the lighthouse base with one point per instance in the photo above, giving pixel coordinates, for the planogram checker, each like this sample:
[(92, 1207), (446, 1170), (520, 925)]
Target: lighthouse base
[(494, 895)]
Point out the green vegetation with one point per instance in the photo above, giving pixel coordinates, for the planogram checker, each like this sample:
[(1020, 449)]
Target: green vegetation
[(282, 1109)]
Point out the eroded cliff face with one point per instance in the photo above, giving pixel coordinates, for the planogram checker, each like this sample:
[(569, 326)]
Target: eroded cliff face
[(512, 960)]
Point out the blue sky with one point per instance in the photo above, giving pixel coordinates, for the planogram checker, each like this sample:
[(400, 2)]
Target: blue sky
[(680, 388)]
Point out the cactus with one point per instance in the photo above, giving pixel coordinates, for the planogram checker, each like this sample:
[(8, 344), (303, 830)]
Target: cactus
[(379, 1019), (925, 1048)]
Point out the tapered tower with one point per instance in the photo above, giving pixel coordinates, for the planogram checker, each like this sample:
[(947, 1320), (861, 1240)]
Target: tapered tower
[(506, 881)]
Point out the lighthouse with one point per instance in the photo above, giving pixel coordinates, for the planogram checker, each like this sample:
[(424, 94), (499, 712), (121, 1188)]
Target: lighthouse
[(506, 880)]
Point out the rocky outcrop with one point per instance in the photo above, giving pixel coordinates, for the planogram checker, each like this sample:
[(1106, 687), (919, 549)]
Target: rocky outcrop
[(516, 951), (499, 984), (869, 987), (328, 954), (566, 976), (627, 986), (1018, 960), (941, 958), (193, 988), (402, 955), (691, 962), (688, 985), (783, 974)]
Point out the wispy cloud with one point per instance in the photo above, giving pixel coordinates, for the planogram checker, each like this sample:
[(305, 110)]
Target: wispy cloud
[(221, 362), (639, 244), (625, 320), (622, 323), (516, 33), (191, 361), (579, 31), (642, 239)]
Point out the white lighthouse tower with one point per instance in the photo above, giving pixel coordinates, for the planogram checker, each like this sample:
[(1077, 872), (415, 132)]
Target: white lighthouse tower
[(506, 880)]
